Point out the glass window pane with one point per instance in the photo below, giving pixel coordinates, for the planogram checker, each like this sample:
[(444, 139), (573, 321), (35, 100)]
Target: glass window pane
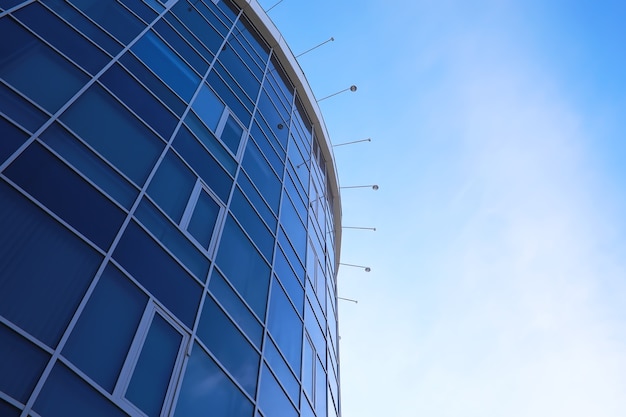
[(104, 332), (262, 175), (235, 307), (67, 395), (209, 140), (320, 390), (244, 267), (7, 410), (54, 184), (282, 371), (231, 135), (20, 111), (257, 200), (285, 326), (272, 399), (203, 219), (156, 270), (113, 17), (12, 138), (230, 347), (207, 390), (44, 268), (35, 69), (252, 223), (190, 55), (152, 374), (171, 186), (289, 280), (211, 38), (208, 107), (21, 364), (113, 131), (308, 367)]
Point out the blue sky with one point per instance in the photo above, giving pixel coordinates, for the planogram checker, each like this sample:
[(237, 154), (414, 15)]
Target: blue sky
[(498, 268)]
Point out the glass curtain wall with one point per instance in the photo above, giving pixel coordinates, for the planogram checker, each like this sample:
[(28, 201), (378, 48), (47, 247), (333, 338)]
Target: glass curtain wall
[(167, 242)]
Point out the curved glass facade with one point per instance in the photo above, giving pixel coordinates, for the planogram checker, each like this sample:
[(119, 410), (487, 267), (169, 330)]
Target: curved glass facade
[(168, 211)]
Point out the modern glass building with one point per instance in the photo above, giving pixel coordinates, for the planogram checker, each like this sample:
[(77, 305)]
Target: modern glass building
[(169, 215)]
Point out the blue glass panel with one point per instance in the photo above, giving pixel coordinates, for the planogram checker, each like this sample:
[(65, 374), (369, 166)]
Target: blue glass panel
[(230, 347), (235, 307), (7, 410), (153, 83), (85, 26), (141, 9), (305, 409), (153, 371), (44, 268), (296, 231), (113, 17), (35, 69), (166, 64), (192, 57), (144, 104), (113, 131), (313, 329), (104, 332), (269, 133), (191, 37), (244, 267), (295, 261), (209, 140), (208, 107), (12, 138), (320, 390), (66, 395), (21, 363), (290, 280), (285, 326), (274, 118), (207, 390), (308, 367), (20, 110), (203, 219), (262, 175), (266, 147), (211, 13), (171, 186), (281, 369), (203, 163), (241, 72), (272, 399), (226, 94), (252, 224), (231, 135), (257, 200), (159, 273), (90, 164), (207, 34), (173, 239), (70, 42), (250, 47), (49, 180)]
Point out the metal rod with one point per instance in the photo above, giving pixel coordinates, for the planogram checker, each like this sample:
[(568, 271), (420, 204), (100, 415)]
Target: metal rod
[(348, 299), (354, 141), (316, 46)]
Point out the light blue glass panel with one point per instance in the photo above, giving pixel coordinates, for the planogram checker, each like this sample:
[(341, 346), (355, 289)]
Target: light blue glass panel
[(230, 347), (244, 267), (171, 186), (285, 326), (231, 135), (280, 367), (67, 395), (252, 223), (113, 131), (151, 376), (272, 399), (21, 364), (207, 391), (257, 200), (166, 64), (308, 367), (289, 280), (44, 268), (320, 390), (235, 307), (104, 332), (203, 219), (208, 107)]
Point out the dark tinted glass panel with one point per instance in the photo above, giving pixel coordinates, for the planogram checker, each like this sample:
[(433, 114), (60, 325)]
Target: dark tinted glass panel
[(203, 219), (173, 239), (285, 326), (203, 163), (281, 369), (159, 273), (18, 109), (244, 267), (209, 140), (212, 14), (181, 46), (21, 363), (119, 136), (153, 371), (289, 280), (257, 200), (235, 307), (274, 119), (268, 150), (296, 264), (90, 165), (171, 186), (240, 96), (12, 138), (66, 395), (241, 72), (223, 91), (54, 184), (230, 347), (206, 388), (262, 175), (8, 410), (191, 37), (231, 135), (141, 9), (44, 268), (189, 15), (272, 399), (35, 69), (208, 107), (166, 64), (293, 226), (252, 224), (102, 336), (113, 17), (63, 37), (144, 104)]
